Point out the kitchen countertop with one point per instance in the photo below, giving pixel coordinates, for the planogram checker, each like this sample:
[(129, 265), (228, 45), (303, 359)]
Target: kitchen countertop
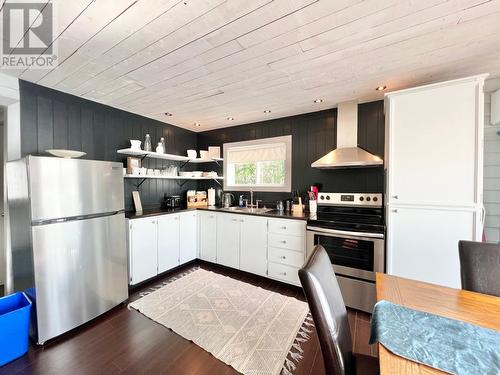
[(272, 214)]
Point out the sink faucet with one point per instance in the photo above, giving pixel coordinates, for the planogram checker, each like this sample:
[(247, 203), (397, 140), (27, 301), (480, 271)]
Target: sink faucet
[(252, 205)]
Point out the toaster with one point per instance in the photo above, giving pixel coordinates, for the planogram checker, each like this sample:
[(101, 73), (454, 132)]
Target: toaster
[(174, 201)]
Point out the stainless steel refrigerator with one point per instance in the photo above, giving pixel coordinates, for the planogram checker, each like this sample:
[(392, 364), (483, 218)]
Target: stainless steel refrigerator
[(68, 244)]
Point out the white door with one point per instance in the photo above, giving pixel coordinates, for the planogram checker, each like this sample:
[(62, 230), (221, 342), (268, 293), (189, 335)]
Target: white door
[(143, 249), (228, 240), (433, 141), (423, 243), (168, 242), (188, 236), (208, 236), (253, 245)]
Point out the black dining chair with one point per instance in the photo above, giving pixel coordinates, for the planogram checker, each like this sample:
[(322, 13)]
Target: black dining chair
[(480, 267), (330, 318)]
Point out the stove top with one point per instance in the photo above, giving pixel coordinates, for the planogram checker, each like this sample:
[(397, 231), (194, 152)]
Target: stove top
[(350, 212)]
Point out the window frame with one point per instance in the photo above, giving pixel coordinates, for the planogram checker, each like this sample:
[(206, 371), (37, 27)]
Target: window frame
[(286, 187)]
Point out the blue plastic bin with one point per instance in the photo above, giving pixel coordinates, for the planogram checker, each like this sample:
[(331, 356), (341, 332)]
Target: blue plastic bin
[(14, 326)]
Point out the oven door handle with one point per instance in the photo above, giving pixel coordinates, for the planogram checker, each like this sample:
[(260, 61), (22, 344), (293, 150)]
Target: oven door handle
[(346, 233)]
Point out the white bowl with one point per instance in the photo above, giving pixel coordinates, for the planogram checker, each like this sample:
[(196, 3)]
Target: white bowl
[(197, 173), (68, 154), (191, 154), (135, 144)]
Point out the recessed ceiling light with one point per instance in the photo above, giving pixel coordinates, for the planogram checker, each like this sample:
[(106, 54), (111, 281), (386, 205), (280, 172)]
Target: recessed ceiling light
[(230, 118), (267, 111), (318, 101), (381, 88), (168, 114), (197, 124)]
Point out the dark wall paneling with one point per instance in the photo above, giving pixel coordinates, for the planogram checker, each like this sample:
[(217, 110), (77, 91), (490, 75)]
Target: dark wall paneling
[(313, 135), (52, 119)]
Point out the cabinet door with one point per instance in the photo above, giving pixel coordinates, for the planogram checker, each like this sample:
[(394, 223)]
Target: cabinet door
[(253, 245), (433, 145), (188, 236), (208, 236), (143, 249), (423, 243), (168, 242), (228, 240)]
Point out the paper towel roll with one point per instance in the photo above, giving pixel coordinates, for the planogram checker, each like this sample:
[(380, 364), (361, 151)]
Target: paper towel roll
[(211, 197)]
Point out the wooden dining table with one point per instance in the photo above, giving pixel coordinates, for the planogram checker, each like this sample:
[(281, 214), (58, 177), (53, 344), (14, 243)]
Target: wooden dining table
[(476, 308)]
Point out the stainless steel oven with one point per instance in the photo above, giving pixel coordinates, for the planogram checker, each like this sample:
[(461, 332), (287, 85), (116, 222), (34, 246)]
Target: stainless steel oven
[(353, 237), (355, 258)]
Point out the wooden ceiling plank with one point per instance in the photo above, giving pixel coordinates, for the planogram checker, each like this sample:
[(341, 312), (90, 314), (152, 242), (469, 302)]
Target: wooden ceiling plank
[(80, 29), (225, 13)]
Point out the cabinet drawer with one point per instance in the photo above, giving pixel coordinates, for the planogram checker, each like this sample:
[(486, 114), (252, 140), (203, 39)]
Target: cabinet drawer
[(284, 273), (283, 241), (291, 258), (289, 227)]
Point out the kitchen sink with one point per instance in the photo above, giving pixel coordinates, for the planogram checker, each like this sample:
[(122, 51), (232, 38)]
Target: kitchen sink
[(248, 210)]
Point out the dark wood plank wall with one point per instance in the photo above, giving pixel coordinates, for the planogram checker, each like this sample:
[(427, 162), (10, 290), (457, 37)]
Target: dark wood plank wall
[(52, 119), (313, 135)]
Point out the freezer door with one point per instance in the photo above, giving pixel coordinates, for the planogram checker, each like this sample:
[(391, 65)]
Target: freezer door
[(65, 188), (80, 272)]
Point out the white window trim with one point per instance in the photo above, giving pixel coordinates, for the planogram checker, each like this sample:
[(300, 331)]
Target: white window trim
[(286, 187)]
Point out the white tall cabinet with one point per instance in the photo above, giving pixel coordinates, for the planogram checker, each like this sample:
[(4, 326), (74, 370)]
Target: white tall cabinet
[(434, 164)]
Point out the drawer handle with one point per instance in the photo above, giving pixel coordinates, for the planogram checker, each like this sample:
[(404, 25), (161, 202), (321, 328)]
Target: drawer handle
[(283, 273), (153, 222), (235, 219), (242, 221), (283, 257), (284, 241), (283, 227), (212, 216)]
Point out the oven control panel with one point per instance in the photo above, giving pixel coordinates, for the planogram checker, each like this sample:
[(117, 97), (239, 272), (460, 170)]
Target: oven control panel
[(350, 199)]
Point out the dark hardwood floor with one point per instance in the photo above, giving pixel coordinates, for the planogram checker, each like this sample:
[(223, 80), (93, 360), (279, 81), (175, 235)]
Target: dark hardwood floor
[(126, 342)]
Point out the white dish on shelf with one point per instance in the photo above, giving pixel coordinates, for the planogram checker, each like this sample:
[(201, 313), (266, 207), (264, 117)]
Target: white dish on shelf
[(135, 144), (67, 154), (204, 155), (191, 154), (197, 173)]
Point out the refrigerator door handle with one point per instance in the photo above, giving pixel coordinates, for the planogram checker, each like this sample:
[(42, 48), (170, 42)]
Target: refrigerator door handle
[(74, 218)]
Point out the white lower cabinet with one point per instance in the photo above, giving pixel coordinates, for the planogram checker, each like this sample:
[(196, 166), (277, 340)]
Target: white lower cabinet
[(228, 240), (188, 236), (168, 242), (143, 254), (286, 250), (272, 248), (253, 245), (208, 236), (160, 243)]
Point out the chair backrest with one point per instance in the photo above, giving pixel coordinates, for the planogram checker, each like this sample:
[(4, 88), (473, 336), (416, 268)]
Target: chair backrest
[(328, 312), (480, 267)]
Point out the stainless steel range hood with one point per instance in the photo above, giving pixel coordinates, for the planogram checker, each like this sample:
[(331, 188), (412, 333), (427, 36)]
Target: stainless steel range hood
[(347, 154)]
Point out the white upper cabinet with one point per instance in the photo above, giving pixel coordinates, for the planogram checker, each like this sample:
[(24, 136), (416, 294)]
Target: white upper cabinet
[(253, 245), (188, 236), (208, 236), (228, 240), (143, 256), (433, 143), (168, 242)]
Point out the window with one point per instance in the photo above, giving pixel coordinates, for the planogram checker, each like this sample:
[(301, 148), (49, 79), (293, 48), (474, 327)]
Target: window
[(260, 165)]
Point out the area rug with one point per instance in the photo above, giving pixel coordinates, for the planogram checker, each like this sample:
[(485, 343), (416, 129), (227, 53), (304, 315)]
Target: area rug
[(254, 330)]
